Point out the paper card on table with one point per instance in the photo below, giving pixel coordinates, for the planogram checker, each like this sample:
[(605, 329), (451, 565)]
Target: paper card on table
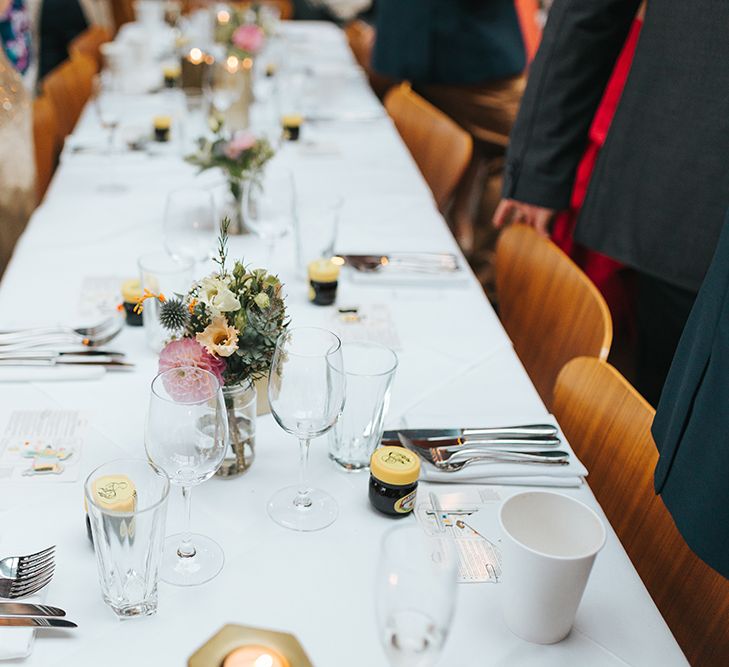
[(42, 445), (100, 295), (372, 323), (468, 517)]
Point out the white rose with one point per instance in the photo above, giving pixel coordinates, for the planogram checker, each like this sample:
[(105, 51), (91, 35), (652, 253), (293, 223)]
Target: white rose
[(216, 295)]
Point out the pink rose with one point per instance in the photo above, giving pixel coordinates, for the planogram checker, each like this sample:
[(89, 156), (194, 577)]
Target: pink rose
[(248, 38), (241, 142), (188, 352)]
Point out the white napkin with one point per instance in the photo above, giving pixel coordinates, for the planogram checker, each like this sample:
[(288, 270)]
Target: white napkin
[(51, 373), (18, 642)]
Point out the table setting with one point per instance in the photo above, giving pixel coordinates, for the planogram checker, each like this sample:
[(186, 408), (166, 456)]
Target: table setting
[(295, 335)]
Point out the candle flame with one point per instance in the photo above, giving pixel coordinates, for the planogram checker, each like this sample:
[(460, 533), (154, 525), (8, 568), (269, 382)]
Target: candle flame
[(264, 660), (195, 56), (223, 16), (231, 64)]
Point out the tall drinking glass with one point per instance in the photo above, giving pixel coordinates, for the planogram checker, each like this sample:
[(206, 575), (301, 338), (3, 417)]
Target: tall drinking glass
[(189, 224), (306, 391), (415, 595), (224, 83), (108, 105), (186, 436), (127, 506), (316, 228), (370, 369), (269, 206)]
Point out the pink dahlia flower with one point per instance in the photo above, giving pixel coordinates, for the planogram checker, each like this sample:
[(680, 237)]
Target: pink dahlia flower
[(188, 352), (241, 142)]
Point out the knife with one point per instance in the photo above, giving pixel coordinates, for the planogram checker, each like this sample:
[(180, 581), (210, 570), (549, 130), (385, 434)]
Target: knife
[(27, 609), (17, 621), (106, 361), (436, 435), (456, 443)]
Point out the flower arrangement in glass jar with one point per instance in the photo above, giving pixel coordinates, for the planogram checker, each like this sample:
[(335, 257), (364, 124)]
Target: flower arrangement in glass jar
[(241, 156), (242, 32), (228, 323)]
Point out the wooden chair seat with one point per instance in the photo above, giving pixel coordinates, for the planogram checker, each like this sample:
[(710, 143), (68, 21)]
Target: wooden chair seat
[(608, 423), (361, 38), (548, 306), (440, 147)]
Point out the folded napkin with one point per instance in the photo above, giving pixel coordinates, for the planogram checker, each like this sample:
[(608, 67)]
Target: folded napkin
[(18, 642), (50, 373)]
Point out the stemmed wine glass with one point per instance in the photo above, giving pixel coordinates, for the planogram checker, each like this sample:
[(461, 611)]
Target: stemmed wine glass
[(269, 206), (306, 391), (415, 595), (189, 224), (186, 436), (107, 106)]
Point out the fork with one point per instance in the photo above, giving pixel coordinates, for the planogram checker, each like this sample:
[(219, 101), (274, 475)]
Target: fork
[(25, 575), (95, 337), (15, 335)]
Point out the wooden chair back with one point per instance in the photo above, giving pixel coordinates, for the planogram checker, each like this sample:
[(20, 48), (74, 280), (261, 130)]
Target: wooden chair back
[(68, 87), (122, 11), (361, 38), (548, 306), (440, 147), (608, 423), (285, 7), (88, 44), (46, 143)]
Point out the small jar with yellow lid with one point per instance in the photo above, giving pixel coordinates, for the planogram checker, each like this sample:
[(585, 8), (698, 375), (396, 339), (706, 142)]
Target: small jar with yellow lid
[(291, 124), (114, 493), (323, 281), (162, 128), (394, 473), (131, 293), (172, 74)]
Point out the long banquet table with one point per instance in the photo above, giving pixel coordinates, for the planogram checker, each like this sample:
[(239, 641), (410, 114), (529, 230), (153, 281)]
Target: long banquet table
[(456, 367)]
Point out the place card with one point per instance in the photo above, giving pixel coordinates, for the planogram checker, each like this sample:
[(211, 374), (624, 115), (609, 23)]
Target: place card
[(468, 517), (372, 323), (100, 296), (42, 445)]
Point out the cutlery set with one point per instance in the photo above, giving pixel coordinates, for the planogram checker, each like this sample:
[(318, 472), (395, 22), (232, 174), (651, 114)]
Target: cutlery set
[(451, 450), (412, 262), (21, 576), (44, 346)]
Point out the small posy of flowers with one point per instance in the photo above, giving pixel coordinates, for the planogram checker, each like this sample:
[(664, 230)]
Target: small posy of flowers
[(241, 155), (227, 324), (242, 33)]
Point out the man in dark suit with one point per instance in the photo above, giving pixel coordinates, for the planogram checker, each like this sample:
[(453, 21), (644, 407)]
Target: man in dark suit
[(661, 184)]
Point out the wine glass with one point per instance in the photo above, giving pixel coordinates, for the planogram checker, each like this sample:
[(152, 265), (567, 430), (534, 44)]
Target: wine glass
[(186, 436), (269, 206), (108, 106), (415, 595), (224, 83), (189, 224), (306, 392)]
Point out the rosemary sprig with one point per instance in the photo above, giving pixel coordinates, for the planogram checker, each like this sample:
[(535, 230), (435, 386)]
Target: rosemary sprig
[(222, 246)]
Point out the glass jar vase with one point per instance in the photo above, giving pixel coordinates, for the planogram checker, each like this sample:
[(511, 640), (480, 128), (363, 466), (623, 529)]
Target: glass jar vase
[(240, 404)]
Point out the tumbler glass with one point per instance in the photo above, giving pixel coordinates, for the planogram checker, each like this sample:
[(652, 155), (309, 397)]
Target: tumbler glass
[(128, 535), (369, 369), (316, 226), (164, 275)]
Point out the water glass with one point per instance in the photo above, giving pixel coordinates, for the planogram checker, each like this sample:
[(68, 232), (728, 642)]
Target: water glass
[(162, 274), (316, 228), (370, 370), (189, 224), (128, 544), (415, 595)]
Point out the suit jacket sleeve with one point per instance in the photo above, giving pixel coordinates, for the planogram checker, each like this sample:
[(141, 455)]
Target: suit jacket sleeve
[(580, 45)]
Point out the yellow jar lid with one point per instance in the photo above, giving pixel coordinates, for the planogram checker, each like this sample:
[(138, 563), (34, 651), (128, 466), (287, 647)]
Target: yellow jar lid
[(292, 120), (323, 271), (171, 71), (395, 465), (115, 493), (162, 122), (131, 290)]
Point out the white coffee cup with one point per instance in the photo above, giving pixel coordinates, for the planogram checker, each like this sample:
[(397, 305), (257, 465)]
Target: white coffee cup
[(549, 545)]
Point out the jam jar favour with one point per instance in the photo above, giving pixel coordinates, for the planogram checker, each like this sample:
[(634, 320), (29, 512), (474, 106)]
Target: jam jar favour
[(394, 473), (115, 493), (172, 75), (162, 128), (323, 281), (131, 293), (291, 125)]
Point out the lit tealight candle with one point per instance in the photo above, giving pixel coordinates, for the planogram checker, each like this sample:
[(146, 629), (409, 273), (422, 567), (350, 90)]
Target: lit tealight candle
[(255, 656), (192, 66)]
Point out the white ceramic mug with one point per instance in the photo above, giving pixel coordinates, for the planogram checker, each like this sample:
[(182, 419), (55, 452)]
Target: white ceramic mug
[(549, 545)]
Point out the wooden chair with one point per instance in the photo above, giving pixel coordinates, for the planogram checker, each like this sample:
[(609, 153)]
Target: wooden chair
[(122, 12), (361, 38), (286, 7), (68, 87), (440, 147), (88, 44), (46, 142), (608, 425), (548, 306)]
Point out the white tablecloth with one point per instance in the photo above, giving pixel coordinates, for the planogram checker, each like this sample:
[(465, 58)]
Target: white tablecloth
[(319, 586)]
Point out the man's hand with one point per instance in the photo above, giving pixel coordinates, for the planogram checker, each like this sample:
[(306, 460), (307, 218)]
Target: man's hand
[(510, 210)]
